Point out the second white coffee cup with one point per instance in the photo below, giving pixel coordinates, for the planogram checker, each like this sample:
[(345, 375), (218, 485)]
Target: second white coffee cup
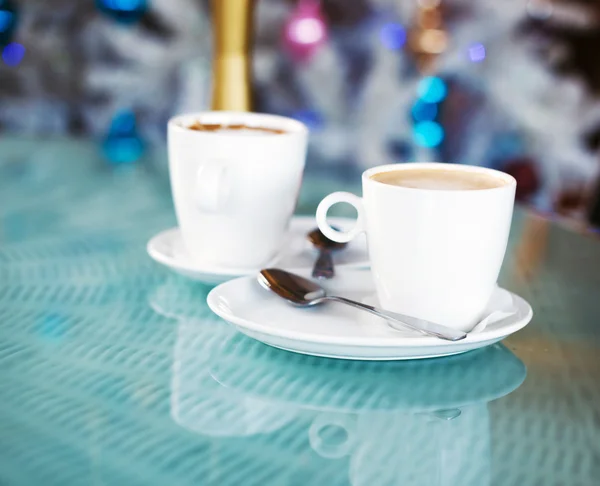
[(435, 254), (235, 190)]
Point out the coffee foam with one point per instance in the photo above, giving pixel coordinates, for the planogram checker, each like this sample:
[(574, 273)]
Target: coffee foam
[(439, 179), (234, 129)]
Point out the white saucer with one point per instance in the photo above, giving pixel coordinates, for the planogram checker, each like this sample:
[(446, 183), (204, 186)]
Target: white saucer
[(167, 249), (338, 331)]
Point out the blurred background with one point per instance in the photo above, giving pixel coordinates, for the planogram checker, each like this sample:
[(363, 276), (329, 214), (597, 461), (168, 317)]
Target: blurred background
[(511, 84)]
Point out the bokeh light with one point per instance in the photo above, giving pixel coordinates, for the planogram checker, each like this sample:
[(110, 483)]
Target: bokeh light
[(123, 145), (423, 111), (432, 89), (428, 134), (123, 5), (13, 53), (392, 36), (433, 41), (124, 11), (307, 30), (477, 52), (9, 17), (6, 19), (123, 123)]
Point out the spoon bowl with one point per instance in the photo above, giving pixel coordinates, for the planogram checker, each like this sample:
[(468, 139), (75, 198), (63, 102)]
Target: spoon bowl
[(295, 289)]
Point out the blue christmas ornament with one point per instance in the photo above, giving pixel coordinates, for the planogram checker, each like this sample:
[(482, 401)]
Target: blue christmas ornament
[(423, 111), (124, 11), (432, 89), (8, 21), (392, 36), (122, 144), (13, 54), (477, 52), (428, 134)]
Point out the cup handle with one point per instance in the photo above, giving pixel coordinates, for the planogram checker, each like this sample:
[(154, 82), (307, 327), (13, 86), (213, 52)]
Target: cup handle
[(325, 227), (212, 186)]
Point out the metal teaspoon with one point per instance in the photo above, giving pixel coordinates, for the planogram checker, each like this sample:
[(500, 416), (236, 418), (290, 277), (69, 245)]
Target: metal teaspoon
[(305, 293)]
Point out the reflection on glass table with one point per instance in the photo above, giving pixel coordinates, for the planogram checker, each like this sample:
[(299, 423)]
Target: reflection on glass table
[(417, 421)]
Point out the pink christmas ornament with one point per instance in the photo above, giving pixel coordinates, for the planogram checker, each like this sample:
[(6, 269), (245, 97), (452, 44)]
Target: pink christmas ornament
[(305, 31)]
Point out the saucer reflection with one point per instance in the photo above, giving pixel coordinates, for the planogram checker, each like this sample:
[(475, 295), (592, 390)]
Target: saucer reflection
[(431, 385), (411, 422)]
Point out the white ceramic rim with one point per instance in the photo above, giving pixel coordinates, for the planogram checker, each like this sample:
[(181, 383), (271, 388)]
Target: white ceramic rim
[(521, 319), (291, 126), (510, 181)]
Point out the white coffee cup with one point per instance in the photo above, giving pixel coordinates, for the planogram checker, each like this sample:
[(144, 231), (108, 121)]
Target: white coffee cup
[(235, 191), (435, 254)]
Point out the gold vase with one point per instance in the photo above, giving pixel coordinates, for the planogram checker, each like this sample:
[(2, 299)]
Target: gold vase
[(232, 33)]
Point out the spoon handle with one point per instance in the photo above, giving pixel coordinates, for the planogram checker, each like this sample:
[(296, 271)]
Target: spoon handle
[(421, 325), (324, 265)]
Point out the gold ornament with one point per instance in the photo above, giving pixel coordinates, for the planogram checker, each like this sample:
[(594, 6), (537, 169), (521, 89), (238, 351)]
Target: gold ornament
[(427, 38), (231, 70)]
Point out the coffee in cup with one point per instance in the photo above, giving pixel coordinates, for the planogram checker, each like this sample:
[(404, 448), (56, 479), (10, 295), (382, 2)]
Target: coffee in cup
[(236, 128), (439, 179)]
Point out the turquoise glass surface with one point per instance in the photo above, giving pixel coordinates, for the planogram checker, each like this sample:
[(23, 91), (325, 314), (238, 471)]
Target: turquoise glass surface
[(113, 371)]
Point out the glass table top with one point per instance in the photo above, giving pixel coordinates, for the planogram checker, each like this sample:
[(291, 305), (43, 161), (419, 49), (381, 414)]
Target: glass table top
[(114, 371)]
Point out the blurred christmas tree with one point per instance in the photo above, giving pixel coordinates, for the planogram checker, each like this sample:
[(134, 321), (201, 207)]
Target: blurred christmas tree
[(509, 84)]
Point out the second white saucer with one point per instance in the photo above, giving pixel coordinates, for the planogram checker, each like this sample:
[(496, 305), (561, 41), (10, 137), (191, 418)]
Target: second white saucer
[(297, 254)]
